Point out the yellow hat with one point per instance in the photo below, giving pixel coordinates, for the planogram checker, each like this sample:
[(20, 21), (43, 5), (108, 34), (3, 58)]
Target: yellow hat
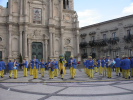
[(71, 57), (89, 57), (123, 56), (126, 56)]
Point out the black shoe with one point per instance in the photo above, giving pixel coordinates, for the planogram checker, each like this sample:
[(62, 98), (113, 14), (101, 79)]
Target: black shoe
[(10, 77), (1, 77), (49, 78), (62, 78), (119, 74), (34, 78), (116, 75), (129, 77)]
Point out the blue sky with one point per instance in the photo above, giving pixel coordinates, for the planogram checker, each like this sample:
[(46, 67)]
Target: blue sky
[(95, 11)]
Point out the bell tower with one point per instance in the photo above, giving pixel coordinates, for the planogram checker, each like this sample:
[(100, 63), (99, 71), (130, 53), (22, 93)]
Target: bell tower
[(68, 4)]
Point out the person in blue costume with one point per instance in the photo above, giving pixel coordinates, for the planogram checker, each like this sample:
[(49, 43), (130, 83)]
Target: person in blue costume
[(56, 66), (99, 65), (117, 65), (3, 68), (51, 69), (122, 66), (90, 65), (10, 67), (35, 66), (25, 67), (85, 69), (0, 69), (127, 67), (107, 60), (43, 67), (15, 68), (104, 69), (132, 66), (73, 66)]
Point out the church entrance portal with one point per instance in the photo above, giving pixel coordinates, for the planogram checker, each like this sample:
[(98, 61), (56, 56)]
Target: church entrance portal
[(37, 50)]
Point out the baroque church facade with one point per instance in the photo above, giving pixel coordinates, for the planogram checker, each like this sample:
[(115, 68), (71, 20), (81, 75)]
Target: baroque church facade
[(45, 28)]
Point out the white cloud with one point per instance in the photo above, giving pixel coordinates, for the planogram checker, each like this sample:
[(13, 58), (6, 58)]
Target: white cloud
[(88, 17), (128, 10)]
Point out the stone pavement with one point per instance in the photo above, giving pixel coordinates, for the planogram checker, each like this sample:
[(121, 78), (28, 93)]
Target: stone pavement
[(80, 88)]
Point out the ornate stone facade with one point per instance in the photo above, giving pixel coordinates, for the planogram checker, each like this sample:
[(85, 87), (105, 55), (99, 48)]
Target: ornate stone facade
[(53, 23), (113, 37)]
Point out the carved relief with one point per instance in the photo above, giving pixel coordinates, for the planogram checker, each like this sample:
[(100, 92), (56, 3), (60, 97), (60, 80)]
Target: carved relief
[(37, 15), (67, 41), (67, 17)]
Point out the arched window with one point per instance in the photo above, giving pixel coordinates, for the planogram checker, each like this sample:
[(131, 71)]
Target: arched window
[(66, 4)]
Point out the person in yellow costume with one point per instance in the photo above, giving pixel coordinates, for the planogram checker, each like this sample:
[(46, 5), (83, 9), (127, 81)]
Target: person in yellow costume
[(51, 69), (73, 66), (15, 69), (56, 66), (95, 66), (43, 67), (25, 67), (35, 66), (3, 68), (62, 66), (31, 70)]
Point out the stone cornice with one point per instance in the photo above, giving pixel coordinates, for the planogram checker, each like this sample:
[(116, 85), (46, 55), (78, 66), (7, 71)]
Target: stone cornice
[(69, 11)]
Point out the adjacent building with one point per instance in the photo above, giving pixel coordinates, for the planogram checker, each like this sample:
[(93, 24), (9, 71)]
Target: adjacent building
[(113, 37), (45, 28)]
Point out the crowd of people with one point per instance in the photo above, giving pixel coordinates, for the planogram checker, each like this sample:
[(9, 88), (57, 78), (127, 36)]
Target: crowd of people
[(105, 66), (54, 67)]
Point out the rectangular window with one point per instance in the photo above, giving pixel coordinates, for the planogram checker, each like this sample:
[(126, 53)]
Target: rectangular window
[(37, 15), (130, 52), (0, 55), (114, 54), (92, 38), (104, 36), (93, 50), (128, 32), (113, 34)]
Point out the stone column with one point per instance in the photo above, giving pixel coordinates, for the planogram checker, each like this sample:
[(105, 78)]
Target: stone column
[(10, 6), (77, 40), (21, 7), (50, 9), (51, 46), (62, 41), (20, 42), (25, 10), (46, 50), (10, 42), (29, 49), (25, 42)]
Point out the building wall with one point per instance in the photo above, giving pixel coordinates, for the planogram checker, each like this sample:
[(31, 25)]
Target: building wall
[(119, 26), (56, 28)]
